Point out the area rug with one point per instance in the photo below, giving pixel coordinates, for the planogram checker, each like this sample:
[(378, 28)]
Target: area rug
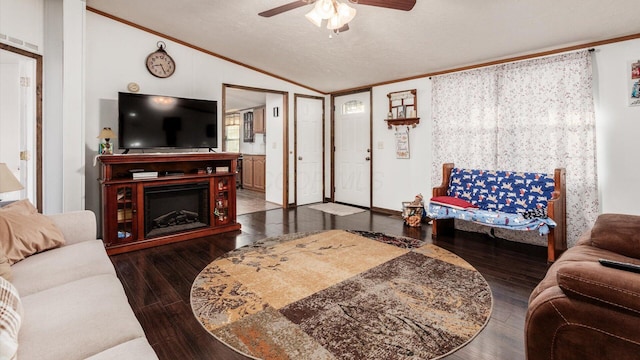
[(337, 209), (341, 295)]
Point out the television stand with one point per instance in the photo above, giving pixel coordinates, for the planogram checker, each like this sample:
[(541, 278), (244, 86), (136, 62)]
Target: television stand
[(211, 150), (178, 200), (126, 151)]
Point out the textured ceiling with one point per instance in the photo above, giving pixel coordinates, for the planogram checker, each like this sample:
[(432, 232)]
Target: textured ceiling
[(382, 44)]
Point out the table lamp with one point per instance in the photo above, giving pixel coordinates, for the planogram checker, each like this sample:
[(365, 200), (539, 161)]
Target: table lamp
[(106, 134), (8, 181)]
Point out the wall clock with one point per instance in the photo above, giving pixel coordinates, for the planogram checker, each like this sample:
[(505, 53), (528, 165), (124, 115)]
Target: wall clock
[(159, 63)]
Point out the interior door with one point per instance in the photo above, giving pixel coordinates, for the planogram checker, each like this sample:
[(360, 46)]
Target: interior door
[(18, 121), (352, 116), (309, 140)]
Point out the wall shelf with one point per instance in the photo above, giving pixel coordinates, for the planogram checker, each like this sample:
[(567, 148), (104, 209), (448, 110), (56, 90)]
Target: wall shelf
[(403, 108), (397, 122)]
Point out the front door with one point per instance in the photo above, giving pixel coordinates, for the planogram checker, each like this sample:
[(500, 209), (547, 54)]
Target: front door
[(309, 140), (352, 116)]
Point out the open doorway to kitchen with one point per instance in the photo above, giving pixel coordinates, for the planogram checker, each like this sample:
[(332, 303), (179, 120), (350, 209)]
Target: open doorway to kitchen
[(255, 125)]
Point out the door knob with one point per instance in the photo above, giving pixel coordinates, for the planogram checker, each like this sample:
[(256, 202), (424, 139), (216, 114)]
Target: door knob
[(299, 157), (367, 158)]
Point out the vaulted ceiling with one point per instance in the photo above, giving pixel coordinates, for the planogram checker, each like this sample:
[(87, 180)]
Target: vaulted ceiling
[(382, 44)]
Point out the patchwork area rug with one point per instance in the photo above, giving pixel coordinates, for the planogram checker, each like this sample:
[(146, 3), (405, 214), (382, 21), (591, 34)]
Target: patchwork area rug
[(337, 209), (341, 295)]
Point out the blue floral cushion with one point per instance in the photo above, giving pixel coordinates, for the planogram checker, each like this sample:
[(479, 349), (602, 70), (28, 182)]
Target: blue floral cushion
[(506, 191)]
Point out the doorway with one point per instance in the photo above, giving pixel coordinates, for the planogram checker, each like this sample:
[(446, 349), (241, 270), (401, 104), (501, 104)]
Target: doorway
[(352, 148), (255, 125), (309, 149), (21, 120)]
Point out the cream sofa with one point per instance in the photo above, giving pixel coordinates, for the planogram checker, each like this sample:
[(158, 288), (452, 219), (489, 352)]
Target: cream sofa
[(74, 306)]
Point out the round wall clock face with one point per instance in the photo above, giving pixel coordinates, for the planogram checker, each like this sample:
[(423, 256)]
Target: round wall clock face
[(160, 64)]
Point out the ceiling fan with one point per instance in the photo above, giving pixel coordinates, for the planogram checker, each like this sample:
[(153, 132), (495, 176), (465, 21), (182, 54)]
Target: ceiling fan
[(404, 5)]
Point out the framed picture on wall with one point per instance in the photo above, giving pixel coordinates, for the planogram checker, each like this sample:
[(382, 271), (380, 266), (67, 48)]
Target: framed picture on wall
[(634, 83)]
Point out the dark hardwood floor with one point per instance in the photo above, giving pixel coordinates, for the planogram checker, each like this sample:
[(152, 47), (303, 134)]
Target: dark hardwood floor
[(158, 280)]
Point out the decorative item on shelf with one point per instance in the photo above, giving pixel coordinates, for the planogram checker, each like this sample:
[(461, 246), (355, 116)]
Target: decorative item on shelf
[(159, 63), (8, 181), (403, 108), (106, 134), (133, 87)]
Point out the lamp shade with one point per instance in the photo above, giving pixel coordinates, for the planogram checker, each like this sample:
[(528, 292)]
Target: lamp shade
[(314, 17), (106, 133), (8, 181)]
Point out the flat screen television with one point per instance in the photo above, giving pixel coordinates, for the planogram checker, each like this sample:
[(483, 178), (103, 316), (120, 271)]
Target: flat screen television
[(154, 121)]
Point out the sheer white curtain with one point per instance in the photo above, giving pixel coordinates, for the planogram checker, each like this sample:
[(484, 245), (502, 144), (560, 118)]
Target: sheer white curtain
[(543, 118)]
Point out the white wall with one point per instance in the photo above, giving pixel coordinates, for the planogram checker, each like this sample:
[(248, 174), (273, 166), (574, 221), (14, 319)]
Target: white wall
[(115, 55), (21, 24), (396, 180), (274, 142), (617, 128)]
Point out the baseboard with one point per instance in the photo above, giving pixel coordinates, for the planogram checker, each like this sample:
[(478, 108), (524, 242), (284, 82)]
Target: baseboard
[(386, 211)]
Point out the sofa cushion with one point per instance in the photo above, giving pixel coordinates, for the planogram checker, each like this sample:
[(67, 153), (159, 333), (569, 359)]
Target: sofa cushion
[(77, 320), (131, 350), (618, 233), (452, 202), (24, 232), (10, 319), (58, 266), (506, 191)]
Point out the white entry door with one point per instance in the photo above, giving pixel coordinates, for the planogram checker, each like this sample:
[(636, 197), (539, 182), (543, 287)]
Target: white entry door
[(353, 149), (309, 130)]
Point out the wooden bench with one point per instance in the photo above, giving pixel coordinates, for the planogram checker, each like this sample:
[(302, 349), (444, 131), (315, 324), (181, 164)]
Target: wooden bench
[(504, 202)]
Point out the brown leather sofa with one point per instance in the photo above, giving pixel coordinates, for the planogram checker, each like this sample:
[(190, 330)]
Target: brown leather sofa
[(584, 310)]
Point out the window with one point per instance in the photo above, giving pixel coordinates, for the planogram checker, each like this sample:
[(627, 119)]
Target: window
[(232, 132), (352, 107)]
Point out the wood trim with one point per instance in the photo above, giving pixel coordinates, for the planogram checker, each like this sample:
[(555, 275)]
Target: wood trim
[(386, 211), (285, 150), (295, 143), (197, 48), (223, 112), (502, 61), (370, 148), (38, 114)]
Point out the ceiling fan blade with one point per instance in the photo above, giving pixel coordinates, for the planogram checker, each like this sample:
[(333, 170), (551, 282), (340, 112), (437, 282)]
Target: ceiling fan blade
[(404, 5), (283, 8)]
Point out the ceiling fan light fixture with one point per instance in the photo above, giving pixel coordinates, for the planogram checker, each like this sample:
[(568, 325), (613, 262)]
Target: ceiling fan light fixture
[(324, 8), (343, 14), (314, 17), (346, 13)]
